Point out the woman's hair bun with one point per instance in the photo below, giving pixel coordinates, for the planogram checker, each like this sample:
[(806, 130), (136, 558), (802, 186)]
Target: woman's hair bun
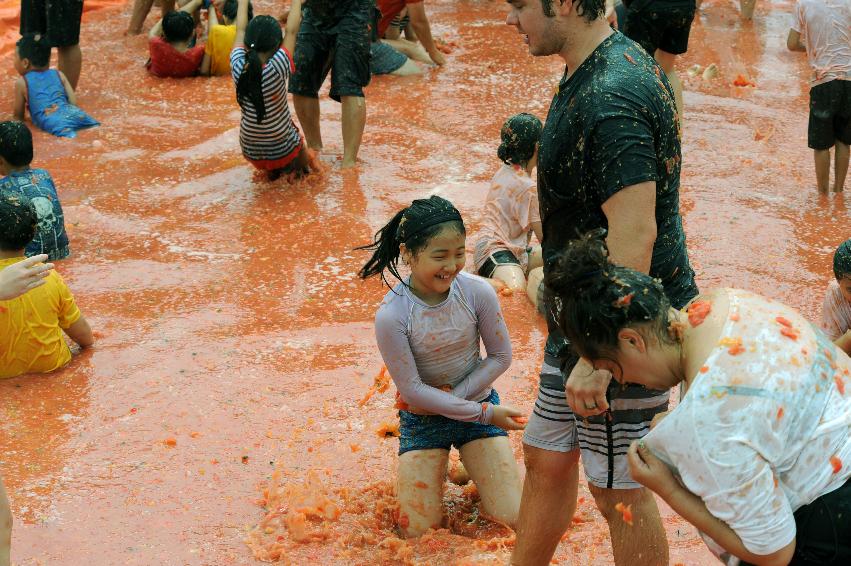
[(520, 135), (581, 267)]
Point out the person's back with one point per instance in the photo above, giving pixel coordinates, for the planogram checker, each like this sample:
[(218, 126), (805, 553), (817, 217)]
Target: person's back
[(32, 324), (49, 97), (219, 46), (36, 185), (825, 27), (171, 54)]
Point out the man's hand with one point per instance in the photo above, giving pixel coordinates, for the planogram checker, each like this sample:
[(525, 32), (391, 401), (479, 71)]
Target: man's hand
[(22, 276), (586, 389)]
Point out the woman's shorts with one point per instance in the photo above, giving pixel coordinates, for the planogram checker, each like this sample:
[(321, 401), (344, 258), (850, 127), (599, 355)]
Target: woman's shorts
[(57, 20), (427, 432), (830, 114), (502, 257), (384, 59)]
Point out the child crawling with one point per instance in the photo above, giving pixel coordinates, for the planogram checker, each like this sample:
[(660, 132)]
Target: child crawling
[(428, 330)]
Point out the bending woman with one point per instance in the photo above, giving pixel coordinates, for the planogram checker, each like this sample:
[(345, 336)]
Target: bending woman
[(757, 455)]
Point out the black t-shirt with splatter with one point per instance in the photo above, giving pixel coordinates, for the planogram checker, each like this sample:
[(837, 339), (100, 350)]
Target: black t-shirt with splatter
[(613, 124)]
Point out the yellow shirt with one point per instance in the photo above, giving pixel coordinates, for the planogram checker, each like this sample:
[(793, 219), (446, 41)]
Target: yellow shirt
[(31, 338), (219, 45)]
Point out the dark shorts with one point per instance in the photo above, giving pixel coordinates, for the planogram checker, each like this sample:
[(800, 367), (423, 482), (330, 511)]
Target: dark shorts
[(57, 20), (823, 530), (341, 47), (427, 432), (384, 59), (830, 114), (502, 257), (656, 24)]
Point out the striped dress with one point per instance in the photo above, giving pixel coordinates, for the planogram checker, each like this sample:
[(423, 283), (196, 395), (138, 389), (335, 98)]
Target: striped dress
[(274, 142)]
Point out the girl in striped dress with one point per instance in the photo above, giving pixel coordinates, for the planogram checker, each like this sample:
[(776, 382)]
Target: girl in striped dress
[(261, 65)]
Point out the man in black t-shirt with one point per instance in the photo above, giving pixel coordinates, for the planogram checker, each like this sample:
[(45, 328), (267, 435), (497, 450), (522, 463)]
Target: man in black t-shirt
[(609, 158)]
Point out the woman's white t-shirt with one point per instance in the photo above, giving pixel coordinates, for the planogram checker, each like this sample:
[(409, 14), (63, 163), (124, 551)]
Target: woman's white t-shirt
[(755, 433)]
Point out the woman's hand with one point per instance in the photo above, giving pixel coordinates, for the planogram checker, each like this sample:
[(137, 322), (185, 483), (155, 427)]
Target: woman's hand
[(502, 417), (650, 471)]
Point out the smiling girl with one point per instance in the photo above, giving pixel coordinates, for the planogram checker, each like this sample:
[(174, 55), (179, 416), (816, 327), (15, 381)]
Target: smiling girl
[(757, 455), (428, 330)]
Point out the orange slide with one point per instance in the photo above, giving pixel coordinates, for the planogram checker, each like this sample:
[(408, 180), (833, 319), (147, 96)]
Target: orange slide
[(10, 11)]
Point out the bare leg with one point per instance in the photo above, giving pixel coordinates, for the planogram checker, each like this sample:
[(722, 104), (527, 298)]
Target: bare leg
[(547, 506), (822, 158), (747, 7), (140, 12), (5, 527), (536, 258), (666, 61), (840, 165), (535, 277), (511, 275), (70, 63), (491, 465), (413, 50), (354, 120), (307, 110), (643, 543), (421, 476), (408, 69)]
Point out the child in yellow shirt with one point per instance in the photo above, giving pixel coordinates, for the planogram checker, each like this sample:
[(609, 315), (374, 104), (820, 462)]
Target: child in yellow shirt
[(31, 325), (220, 39)]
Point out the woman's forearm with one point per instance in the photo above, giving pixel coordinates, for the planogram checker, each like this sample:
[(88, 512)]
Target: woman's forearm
[(691, 508)]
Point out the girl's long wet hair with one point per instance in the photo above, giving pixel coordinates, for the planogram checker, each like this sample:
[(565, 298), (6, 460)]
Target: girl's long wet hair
[(413, 226), (262, 35), (594, 299)]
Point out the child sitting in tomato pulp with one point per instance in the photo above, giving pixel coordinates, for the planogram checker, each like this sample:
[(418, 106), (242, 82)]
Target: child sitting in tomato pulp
[(31, 325), (46, 92), (836, 309)]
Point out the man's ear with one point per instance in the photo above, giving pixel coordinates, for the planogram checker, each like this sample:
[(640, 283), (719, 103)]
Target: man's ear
[(631, 338), (564, 7)]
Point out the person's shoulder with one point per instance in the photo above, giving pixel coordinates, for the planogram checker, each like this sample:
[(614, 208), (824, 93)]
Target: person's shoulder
[(474, 284), (393, 308)]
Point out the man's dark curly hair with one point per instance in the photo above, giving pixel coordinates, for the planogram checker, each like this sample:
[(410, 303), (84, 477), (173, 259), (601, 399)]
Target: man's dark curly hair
[(589, 9)]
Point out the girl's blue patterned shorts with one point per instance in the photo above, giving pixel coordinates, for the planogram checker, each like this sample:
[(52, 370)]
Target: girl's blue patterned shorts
[(425, 432)]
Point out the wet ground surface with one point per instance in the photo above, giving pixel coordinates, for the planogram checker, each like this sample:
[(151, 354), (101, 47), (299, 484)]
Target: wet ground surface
[(234, 336)]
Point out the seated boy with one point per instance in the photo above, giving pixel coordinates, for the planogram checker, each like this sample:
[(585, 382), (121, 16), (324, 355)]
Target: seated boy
[(220, 39), (171, 42), (31, 325), (836, 309), (821, 29), (35, 185)]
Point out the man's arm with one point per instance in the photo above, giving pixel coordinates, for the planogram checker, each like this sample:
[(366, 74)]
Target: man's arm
[(793, 41), (293, 25), (631, 215), (81, 333), (419, 22)]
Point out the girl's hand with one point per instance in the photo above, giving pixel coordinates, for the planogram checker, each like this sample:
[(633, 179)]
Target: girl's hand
[(502, 417), (650, 471)]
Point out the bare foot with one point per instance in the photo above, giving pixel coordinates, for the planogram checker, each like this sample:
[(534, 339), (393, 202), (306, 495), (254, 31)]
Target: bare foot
[(348, 163)]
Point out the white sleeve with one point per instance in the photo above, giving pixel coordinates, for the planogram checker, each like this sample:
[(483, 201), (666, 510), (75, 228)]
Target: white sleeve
[(797, 23), (737, 485), (831, 319)]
